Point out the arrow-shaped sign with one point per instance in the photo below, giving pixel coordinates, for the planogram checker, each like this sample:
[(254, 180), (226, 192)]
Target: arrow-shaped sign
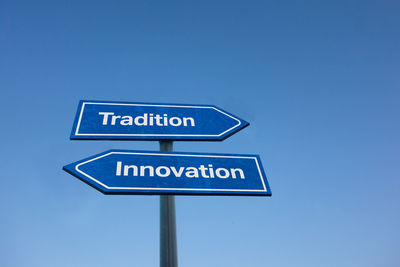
[(141, 172), (104, 120)]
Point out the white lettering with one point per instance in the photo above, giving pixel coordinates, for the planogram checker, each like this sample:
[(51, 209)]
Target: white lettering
[(178, 123), (143, 120), (126, 120), (211, 170), (203, 171), (219, 175), (177, 173), (166, 169), (189, 172), (158, 120), (192, 172), (114, 118), (118, 172), (185, 120), (105, 116), (233, 172), (127, 167), (143, 168), (148, 119)]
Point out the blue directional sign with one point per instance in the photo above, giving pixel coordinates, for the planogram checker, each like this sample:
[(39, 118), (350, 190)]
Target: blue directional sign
[(104, 120), (157, 173)]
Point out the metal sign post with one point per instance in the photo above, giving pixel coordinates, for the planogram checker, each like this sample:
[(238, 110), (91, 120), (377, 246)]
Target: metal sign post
[(164, 173), (168, 249)]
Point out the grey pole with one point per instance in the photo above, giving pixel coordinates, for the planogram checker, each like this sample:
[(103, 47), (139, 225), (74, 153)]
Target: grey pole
[(168, 250)]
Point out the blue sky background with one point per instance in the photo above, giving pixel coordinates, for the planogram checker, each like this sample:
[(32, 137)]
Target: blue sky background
[(317, 80)]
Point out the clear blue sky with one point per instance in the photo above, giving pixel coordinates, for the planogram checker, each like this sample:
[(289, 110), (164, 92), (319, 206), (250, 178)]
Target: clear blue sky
[(318, 81)]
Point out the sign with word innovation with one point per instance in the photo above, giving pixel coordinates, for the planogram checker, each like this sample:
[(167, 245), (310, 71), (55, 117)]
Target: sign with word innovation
[(157, 173), (104, 120)]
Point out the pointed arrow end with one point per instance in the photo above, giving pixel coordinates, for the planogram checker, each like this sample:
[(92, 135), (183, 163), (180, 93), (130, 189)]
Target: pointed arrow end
[(69, 168)]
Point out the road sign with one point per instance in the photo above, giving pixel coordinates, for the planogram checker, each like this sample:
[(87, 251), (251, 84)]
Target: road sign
[(158, 173), (104, 120)]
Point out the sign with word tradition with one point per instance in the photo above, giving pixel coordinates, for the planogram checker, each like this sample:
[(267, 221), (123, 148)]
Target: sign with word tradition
[(104, 120)]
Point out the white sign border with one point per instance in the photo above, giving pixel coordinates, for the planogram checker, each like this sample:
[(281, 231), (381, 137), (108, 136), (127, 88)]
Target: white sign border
[(165, 189), (151, 105)]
